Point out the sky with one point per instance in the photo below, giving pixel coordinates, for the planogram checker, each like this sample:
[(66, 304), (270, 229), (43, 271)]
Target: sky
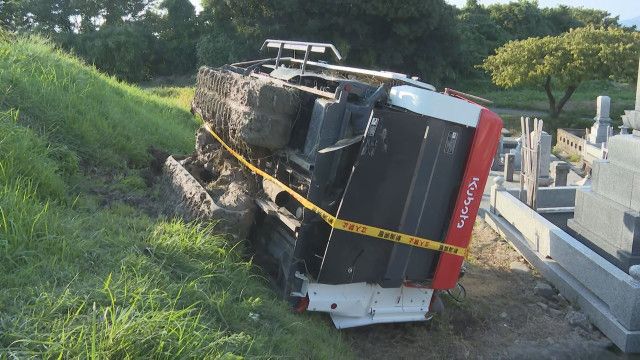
[(627, 9), (197, 4)]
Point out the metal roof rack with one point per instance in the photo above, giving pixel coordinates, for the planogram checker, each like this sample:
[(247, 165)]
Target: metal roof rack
[(307, 47)]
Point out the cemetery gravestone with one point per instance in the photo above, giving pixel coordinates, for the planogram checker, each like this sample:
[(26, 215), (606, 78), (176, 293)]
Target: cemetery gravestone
[(600, 129), (607, 215)]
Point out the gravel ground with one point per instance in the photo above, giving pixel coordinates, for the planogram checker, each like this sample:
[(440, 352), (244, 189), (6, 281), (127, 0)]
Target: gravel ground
[(509, 313)]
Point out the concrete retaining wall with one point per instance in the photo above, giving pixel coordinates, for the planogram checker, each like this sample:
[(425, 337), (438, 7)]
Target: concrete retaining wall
[(571, 141), (551, 197)]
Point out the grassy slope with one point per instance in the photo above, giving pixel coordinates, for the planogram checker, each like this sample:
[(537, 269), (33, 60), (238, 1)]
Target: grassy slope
[(180, 96), (89, 275)]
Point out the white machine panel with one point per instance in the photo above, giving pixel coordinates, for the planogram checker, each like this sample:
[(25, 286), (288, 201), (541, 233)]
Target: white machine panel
[(361, 304), (434, 104)]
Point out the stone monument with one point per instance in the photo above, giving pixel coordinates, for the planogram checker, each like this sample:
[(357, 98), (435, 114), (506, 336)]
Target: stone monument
[(607, 216), (631, 118), (600, 129), (560, 172), (509, 167), (517, 155), (545, 160)]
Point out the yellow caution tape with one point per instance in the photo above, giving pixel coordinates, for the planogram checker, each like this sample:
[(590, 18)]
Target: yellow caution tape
[(344, 225)]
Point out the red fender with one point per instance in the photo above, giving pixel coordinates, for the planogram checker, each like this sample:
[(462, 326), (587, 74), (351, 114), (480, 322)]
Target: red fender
[(483, 149)]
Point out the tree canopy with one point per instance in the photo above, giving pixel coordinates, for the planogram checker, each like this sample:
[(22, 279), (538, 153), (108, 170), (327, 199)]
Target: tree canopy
[(520, 19), (414, 36), (480, 35), (565, 61), (177, 34), (426, 38), (483, 29)]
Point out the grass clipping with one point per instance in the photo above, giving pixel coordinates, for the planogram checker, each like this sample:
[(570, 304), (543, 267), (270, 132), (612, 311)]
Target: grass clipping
[(83, 276)]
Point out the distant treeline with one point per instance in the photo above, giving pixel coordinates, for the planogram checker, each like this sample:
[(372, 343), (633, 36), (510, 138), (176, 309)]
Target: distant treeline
[(137, 40)]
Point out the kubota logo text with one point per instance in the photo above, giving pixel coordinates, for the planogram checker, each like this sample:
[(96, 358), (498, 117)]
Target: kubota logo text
[(464, 212)]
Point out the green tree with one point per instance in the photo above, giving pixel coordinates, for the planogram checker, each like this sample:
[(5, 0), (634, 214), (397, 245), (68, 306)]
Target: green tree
[(126, 51), (234, 30), (115, 12), (58, 16), (524, 18), (520, 19), (565, 61), (45, 16), (594, 17), (416, 36), (563, 18), (11, 14), (480, 35), (48, 16), (177, 33)]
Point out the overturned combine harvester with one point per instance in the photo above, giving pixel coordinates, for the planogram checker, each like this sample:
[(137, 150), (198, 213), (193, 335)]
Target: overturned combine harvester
[(358, 189)]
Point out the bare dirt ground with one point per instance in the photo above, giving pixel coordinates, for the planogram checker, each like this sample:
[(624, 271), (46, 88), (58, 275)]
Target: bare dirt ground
[(501, 318)]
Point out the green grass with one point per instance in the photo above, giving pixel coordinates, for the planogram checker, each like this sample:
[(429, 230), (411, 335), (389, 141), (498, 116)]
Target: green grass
[(573, 158), (551, 126), (580, 108), (85, 273), (180, 96), (104, 122)]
